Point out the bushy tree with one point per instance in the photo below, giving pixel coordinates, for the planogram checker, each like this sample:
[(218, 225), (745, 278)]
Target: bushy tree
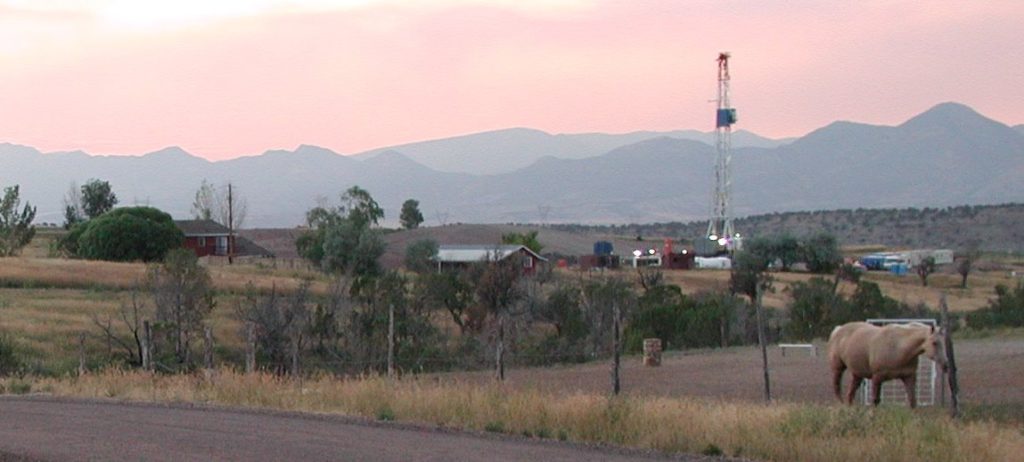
[(411, 216), (419, 256), (362, 209), (343, 240), (1006, 310), (814, 304), (562, 308), (786, 249), (821, 253), (681, 321), (453, 292), (16, 229), (352, 249), (868, 302), (528, 239), (126, 234), (659, 314), (97, 198)]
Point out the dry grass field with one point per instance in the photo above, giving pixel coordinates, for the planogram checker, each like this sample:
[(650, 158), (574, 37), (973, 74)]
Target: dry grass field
[(780, 431), (702, 400)]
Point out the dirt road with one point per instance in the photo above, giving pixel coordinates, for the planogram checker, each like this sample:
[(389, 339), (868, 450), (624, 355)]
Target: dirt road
[(42, 428)]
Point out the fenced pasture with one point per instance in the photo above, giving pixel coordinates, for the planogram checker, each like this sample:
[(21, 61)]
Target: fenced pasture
[(989, 369)]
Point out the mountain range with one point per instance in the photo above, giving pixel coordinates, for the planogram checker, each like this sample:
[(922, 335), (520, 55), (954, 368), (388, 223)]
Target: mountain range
[(504, 151), (948, 155)]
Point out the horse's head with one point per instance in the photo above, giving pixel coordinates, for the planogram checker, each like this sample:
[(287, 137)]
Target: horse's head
[(935, 347)]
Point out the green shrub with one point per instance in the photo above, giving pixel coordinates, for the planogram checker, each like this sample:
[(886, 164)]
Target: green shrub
[(10, 360), (127, 234), (386, 414), (712, 450), (1006, 310)]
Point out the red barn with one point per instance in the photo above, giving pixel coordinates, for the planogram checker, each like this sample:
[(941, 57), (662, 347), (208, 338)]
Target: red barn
[(207, 237)]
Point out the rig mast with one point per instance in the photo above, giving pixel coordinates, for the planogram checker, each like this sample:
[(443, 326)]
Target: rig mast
[(720, 228)]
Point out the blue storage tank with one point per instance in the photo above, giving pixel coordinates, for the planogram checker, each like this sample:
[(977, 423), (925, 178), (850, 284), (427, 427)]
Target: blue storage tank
[(726, 117)]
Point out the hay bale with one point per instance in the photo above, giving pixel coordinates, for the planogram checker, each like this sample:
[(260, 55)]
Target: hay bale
[(652, 352)]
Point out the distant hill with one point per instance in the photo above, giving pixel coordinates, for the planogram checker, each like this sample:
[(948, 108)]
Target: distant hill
[(949, 155), (1019, 128), (993, 228), (504, 151)]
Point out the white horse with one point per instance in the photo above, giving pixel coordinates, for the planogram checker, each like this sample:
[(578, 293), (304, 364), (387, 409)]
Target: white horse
[(881, 354)]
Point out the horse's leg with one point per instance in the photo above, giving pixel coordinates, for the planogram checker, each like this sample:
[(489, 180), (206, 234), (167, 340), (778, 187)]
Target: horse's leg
[(876, 390), (854, 386), (837, 380), (910, 384)]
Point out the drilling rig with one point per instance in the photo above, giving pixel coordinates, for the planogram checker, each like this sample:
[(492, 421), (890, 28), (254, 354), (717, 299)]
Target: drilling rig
[(721, 237)]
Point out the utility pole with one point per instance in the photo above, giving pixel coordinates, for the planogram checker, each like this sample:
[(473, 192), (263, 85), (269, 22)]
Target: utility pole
[(231, 227)]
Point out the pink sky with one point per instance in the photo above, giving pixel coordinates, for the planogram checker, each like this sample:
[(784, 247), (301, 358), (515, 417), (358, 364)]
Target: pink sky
[(241, 77)]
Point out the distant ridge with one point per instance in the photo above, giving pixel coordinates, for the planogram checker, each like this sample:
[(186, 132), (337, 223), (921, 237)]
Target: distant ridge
[(948, 155), (504, 151)]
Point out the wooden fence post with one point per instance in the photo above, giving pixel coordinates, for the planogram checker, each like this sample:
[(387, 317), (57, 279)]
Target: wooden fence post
[(147, 346), (391, 340), (295, 355), (81, 354), (761, 338), (208, 347), (616, 348), (954, 385), (250, 348), (500, 354)]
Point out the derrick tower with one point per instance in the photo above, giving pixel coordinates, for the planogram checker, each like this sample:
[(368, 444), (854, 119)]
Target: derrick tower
[(720, 228)]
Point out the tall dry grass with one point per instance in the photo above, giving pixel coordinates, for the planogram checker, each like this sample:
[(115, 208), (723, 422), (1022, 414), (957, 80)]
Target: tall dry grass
[(25, 272), (773, 432)]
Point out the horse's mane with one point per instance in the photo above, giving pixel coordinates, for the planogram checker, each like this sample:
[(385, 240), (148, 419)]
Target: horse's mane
[(914, 325)]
